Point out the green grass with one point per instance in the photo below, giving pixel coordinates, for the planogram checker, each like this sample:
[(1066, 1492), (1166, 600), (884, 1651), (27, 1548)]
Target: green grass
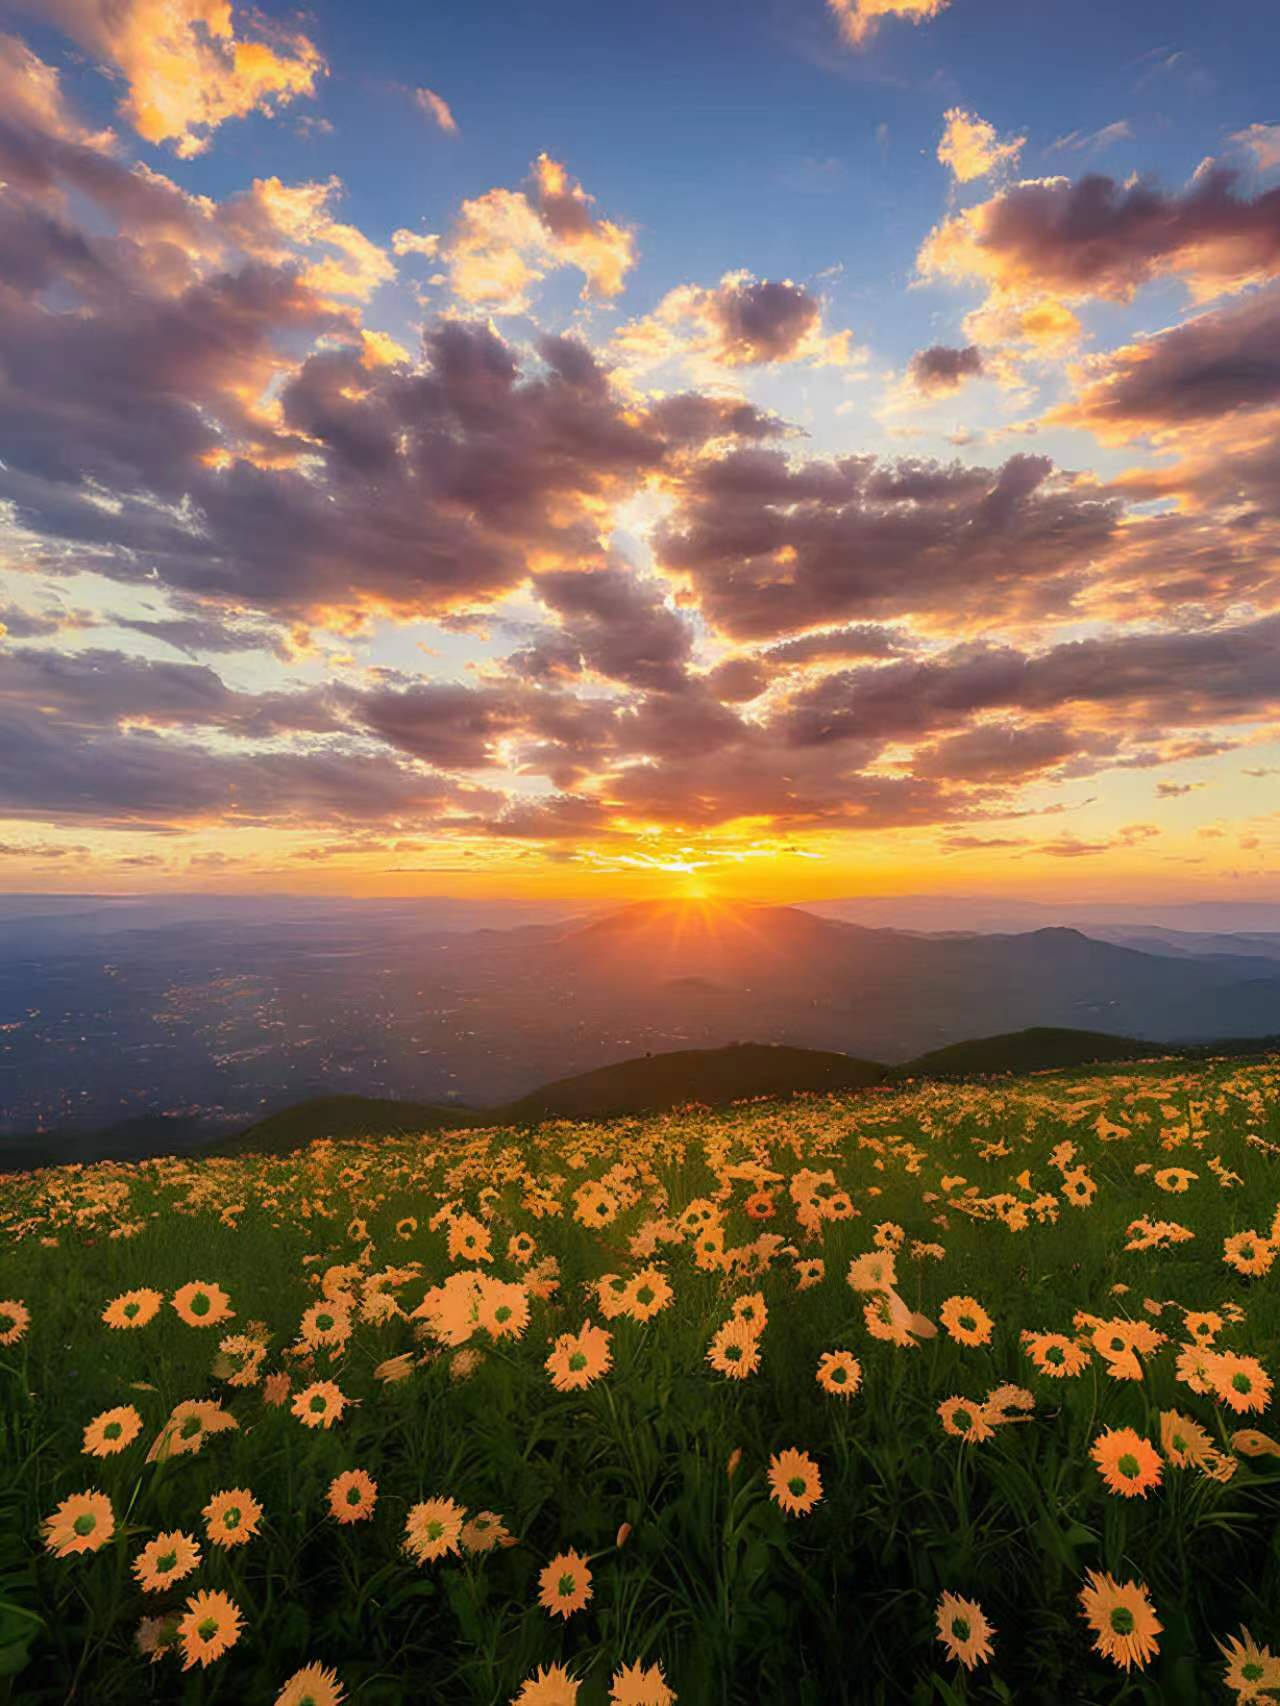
[(738, 1602)]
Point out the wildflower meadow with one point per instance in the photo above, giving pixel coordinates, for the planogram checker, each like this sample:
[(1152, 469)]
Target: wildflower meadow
[(947, 1393)]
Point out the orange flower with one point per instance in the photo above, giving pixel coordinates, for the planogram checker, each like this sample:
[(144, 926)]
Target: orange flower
[(313, 1685), (83, 1523), (433, 1528), (211, 1625), (484, 1531), (966, 1320), (189, 1425), (1252, 1443), (1128, 1464), (1240, 1382), (155, 1636), (166, 1559), (965, 1421), (579, 1358), (352, 1496), (553, 1687), (133, 1308), (232, 1518), (1246, 1252), (325, 1326), (15, 1318), (275, 1389), (1249, 1670), (504, 1308), (112, 1431), (1182, 1440), (839, 1372), (735, 1350), (200, 1304), (873, 1272), (794, 1482), (964, 1631), (565, 1584), (319, 1405), (1122, 1618), (637, 1686), (1055, 1355), (1204, 1325), (648, 1292)]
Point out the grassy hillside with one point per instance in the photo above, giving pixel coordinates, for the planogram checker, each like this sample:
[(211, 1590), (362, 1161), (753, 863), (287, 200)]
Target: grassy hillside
[(340, 1117), (712, 1076), (1033, 1050), (1006, 1275)]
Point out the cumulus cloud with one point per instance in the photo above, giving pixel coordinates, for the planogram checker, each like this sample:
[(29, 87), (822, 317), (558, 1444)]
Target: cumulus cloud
[(1099, 238), (939, 370), (506, 241), (741, 322), (971, 147), (1263, 142), (858, 19), (188, 65)]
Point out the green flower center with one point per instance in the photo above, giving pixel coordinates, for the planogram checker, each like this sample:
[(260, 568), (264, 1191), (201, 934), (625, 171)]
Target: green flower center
[(963, 1419), (1242, 1383), (317, 1405), (132, 1309), (113, 1430), (434, 1530), (200, 1304), (190, 1427), (231, 1518), (968, 1324), (502, 1313), (565, 1586), (1128, 1466), (85, 1523), (960, 1629), (839, 1376), (353, 1495), (796, 1485), (207, 1628), (1251, 1671), (577, 1361), (645, 1295), (166, 1562), (1122, 1620)]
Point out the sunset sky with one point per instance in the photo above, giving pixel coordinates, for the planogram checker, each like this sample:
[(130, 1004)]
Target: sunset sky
[(789, 448)]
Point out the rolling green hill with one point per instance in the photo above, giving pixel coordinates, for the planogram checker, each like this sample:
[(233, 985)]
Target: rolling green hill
[(340, 1116), (1036, 1049)]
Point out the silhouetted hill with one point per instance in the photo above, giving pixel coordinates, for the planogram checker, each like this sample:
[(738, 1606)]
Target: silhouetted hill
[(1037, 1049), (343, 1116), (713, 1076)]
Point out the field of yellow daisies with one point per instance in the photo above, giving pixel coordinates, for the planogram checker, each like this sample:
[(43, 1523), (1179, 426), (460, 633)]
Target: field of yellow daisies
[(950, 1393)]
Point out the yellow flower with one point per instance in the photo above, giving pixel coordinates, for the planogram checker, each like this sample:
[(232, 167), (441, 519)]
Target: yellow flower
[(83, 1523), (112, 1431)]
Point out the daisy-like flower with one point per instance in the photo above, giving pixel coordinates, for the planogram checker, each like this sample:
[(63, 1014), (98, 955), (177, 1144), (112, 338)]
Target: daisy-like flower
[(1239, 1382), (577, 1359), (352, 1496), (752, 1309), (637, 1685), (795, 1483), (735, 1350), (1248, 1253), (15, 1318), (647, 1292), (964, 1631), (873, 1272), (504, 1308), (1055, 1355), (112, 1431), (189, 1425), (324, 1326), (553, 1687), (210, 1625), (1129, 1464), (1078, 1187), (1249, 1669), (564, 1586), (1203, 1325), (243, 1359), (839, 1372), (1122, 1618), (133, 1308), (83, 1523), (166, 1559), (811, 1271), (484, 1531), (1252, 1443), (231, 1519), (966, 1320), (313, 1685), (965, 1420), (319, 1405), (201, 1304), (433, 1528), (1182, 1440)]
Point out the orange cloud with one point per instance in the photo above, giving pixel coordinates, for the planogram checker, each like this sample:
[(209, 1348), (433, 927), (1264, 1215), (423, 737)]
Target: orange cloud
[(186, 66), (506, 241), (971, 147), (437, 108), (858, 18), (742, 322), (275, 218)]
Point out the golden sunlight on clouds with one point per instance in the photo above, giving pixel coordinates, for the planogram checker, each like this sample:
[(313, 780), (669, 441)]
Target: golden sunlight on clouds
[(742, 322), (859, 18), (187, 67), (971, 147), (437, 109)]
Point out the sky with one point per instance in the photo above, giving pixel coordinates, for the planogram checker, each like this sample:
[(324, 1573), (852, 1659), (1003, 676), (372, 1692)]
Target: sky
[(785, 450)]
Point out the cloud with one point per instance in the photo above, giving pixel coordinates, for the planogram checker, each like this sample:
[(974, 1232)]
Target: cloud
[(939, 371), (437, 109), (188, 65), (1092, 142), (741, 322), (506, 241), (1263, 142), (971, 147), (1211, 366), (770, 546), (1099, 238), (859, 19)]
